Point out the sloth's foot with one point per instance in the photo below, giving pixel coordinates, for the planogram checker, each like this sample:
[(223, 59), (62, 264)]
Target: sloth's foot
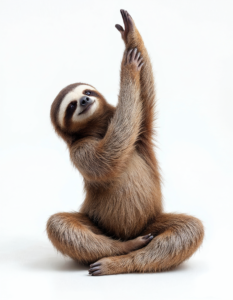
[(138, 243), (105, 266), (129, 25)]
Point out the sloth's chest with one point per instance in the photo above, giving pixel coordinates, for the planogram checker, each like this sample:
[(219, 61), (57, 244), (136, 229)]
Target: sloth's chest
[(125, 214), (124, 209)]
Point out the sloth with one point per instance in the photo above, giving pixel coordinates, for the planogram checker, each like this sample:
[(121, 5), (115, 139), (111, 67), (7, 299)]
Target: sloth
[(121, 226)]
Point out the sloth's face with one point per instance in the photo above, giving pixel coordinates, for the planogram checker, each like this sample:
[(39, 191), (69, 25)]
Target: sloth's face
[(78, 106)]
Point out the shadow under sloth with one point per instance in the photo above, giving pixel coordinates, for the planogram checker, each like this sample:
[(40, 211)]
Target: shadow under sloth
[(121, 226)]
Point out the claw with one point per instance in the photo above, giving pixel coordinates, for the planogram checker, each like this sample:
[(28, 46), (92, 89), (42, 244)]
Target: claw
[(140, 66), (119, 27), (124, 17), (140, 60), (147, 236), (96, 273), (95, 264), (129, 57), (134, 57), (134, 54), (93, 269)]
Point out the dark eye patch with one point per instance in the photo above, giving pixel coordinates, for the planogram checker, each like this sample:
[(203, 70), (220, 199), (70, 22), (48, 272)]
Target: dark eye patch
[(72, 105), (91, 93), (70, 109)]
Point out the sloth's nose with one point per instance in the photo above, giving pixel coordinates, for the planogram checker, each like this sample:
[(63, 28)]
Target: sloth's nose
[(84, 101)]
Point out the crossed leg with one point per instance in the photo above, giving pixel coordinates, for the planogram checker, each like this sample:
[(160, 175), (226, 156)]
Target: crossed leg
[(75, 235), (177, 237)]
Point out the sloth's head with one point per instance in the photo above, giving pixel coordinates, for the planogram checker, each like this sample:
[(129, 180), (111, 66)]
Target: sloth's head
[(80, 110)]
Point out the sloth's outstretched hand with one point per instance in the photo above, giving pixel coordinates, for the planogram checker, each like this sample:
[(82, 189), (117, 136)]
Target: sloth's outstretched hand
[(129, 25), (134, 58)]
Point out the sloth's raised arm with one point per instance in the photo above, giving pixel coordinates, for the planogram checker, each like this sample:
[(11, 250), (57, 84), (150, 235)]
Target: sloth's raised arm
[(132, 38), (104, 159)]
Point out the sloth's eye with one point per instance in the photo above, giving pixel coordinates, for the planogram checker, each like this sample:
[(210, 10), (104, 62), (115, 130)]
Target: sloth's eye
[(88, 93), (72, 105)]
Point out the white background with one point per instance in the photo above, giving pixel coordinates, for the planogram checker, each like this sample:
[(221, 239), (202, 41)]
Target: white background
[(46, 45)]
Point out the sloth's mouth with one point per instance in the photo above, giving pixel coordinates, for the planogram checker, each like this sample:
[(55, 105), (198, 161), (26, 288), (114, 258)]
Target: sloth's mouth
[(86, 108)]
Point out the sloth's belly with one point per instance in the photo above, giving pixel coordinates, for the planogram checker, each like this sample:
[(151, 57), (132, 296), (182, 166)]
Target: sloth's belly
[(124, 208)]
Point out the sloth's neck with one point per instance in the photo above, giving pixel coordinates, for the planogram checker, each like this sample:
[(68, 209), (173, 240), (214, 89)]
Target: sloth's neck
[(97, 127)]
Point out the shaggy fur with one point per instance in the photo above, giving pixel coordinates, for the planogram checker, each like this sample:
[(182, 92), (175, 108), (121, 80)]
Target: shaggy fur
[(113, 150)]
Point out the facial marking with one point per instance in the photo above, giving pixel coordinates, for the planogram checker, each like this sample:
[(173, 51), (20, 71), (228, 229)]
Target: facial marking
[(74, 96)]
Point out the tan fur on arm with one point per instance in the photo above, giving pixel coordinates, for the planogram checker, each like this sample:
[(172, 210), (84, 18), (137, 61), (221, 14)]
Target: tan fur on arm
[(133, 39), (100, 159)]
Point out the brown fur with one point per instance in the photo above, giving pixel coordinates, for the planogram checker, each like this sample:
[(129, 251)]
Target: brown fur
[(114, 153)]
